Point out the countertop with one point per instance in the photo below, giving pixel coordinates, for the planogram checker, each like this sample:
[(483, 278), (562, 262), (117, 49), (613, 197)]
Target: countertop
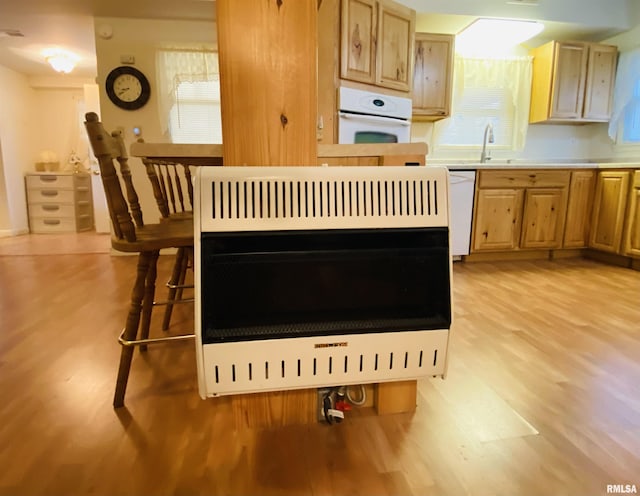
[(533, 164)]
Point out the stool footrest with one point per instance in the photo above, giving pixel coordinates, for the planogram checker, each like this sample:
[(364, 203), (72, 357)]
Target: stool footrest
[(138, 342)]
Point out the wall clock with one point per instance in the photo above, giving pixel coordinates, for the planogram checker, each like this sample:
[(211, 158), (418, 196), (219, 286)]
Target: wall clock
[(128, 88)]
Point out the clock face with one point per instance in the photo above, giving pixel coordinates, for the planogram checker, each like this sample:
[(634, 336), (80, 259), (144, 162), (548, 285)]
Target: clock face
[(128, 88)]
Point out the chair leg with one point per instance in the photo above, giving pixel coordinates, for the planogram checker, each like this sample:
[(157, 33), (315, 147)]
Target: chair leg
[(149, 295), (131, 327), (177, 278)]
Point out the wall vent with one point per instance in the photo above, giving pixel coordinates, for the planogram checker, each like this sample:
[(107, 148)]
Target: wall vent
[(321, 197), (233, 368)]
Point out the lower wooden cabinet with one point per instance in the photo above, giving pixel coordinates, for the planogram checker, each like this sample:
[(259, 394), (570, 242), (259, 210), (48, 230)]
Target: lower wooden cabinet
[(543, 218), (498, 216), (609, 208), (578, 220), (519, 209), (632, 231), (557, 209)]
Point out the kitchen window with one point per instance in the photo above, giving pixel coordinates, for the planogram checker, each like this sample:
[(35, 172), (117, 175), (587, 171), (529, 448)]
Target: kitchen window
[(195, 115), (624, 126), (631, 123), (495, 91), (189, 95)]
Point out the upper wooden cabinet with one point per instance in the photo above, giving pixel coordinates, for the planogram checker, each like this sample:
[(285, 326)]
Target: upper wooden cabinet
[(572, 82), (376, 43), (432, 74), (358, 40)]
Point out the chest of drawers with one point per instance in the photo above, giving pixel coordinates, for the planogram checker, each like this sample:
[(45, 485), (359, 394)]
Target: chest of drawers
[(59, 202)]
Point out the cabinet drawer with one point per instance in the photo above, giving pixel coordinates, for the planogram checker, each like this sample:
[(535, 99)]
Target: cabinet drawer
[(636, 179), (50, 181), (52, 225), (51, 210), (82, 181), (50, 195), (523, 179)]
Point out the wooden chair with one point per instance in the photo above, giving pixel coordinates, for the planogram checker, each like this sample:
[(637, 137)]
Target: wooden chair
[(132, 235), (173, 192)]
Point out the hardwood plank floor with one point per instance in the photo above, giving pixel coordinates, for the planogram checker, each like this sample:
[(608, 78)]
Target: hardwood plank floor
[(542, 398)]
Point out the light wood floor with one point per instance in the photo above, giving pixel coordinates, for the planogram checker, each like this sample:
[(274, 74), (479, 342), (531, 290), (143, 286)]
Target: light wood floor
[(543, 396)]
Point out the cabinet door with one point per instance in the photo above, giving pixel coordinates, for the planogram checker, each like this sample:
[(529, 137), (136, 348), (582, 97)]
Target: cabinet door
[(601, 73), (543, 218), (576, 228), (498, 217), (608, 211), (570, 68), (358, 45), (394, 59), (432, 71), (632, 234)]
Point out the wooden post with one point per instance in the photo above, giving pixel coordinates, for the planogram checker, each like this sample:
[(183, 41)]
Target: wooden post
[(268, 95), (268, 84)]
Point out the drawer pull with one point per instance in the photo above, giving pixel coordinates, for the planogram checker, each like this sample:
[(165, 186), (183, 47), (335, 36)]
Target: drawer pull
[(48, 179), (51, 222), (49, 192), (50, 208)]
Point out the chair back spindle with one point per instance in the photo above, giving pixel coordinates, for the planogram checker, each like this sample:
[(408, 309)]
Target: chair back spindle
[(105, 148), (172, 186), (125, 173)]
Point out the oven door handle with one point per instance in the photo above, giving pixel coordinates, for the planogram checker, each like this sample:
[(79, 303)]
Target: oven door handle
[(375, 118)]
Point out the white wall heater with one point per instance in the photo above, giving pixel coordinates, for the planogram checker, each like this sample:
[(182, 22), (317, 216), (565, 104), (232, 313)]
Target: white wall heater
[(320, 276)]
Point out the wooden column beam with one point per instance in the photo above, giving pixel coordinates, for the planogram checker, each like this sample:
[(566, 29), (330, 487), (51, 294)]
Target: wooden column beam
[(268, 94), (268, 84)]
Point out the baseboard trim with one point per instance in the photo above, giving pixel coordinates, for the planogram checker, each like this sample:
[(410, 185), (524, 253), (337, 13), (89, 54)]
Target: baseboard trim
[(6, 233), (613, 259), (506, 256)]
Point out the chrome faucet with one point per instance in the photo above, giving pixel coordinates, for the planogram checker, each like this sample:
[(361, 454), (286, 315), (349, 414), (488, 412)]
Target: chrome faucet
[(488, 138)]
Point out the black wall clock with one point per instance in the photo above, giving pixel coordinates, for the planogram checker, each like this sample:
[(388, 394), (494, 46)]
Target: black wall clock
[(128, 88)]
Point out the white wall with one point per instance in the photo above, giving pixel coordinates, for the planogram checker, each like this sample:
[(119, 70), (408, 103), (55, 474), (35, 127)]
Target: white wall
[(58, 127), (18, 118), (37, 115), (141, 38)]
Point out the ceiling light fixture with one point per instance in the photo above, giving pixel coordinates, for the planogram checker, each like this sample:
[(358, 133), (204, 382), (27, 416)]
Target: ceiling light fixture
[(61, 60), (494, 36)]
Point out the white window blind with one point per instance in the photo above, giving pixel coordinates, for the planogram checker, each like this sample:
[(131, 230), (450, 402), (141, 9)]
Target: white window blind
[(189, 95), (495, 91), (195, 115), (476, 108)]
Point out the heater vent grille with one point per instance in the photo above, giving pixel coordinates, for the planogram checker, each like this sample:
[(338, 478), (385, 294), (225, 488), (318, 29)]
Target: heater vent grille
[(318, 197), (308, 362)]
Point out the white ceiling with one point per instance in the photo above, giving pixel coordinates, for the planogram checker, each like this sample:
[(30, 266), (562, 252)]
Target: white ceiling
[(69, 23)]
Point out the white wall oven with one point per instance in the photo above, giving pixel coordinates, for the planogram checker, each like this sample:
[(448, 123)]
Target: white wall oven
[(366, 117)]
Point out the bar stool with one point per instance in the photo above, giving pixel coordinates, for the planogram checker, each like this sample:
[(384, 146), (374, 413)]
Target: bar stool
[(132, 235)]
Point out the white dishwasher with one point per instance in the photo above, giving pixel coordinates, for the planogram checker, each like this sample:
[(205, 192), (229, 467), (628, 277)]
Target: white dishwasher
[(462, 184)]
